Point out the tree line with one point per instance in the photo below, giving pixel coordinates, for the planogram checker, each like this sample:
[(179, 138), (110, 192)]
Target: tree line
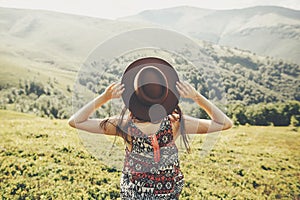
[(277, 114), (48, 101), (32, 96)]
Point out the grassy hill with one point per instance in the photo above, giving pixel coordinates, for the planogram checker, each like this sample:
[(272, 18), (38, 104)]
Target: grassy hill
[(45, 159), (47, 40), (265, 30)]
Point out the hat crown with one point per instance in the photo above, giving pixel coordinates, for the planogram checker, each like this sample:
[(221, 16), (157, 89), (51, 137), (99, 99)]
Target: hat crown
[(150, 88), (151, 85)]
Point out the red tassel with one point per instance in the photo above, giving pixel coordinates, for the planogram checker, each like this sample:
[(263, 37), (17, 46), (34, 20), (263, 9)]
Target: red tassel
[(155, 148)]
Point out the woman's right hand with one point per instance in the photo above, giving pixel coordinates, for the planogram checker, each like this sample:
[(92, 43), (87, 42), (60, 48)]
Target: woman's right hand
[(186, 90), (114, 90)]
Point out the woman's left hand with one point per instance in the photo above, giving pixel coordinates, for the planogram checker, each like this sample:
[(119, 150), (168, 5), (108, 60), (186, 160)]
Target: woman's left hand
[(186, 90), (114, 90)]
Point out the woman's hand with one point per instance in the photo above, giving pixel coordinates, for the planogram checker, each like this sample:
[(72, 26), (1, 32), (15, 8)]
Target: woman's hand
[(81, 120), (186, 90), (114, 90), (219, 121)]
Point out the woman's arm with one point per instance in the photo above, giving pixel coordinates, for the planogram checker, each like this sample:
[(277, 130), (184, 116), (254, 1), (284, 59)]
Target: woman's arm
[(80, 119), (219, 121)]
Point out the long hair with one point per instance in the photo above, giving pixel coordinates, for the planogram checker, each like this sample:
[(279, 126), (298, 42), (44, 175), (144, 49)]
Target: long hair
[(127, 137), (182, 128), (119, 126)]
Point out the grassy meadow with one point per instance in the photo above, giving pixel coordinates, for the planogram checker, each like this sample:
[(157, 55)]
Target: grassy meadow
[(45, 159)]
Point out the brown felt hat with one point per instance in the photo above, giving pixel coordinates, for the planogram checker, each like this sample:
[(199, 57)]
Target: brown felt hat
[(150, 88)]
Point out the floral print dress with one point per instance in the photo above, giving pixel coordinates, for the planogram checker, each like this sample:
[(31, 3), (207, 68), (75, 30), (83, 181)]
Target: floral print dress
[(151, 168)]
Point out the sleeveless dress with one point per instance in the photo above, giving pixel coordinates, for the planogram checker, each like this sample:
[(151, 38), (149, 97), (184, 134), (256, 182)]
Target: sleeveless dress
[(151, 171)]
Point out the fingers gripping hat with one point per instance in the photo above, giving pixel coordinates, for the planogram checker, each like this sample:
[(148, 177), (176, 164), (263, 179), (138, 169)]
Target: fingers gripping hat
[(150, 88)]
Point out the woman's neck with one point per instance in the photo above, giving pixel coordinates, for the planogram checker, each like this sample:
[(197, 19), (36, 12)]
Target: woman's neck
[(135, 120), (148, 128)]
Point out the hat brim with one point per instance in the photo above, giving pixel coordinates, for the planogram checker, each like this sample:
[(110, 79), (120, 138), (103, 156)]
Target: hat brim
[(131, 101)]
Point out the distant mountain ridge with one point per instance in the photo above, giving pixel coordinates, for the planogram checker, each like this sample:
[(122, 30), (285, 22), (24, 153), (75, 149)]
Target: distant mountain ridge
[(39, 34), (265, 30)]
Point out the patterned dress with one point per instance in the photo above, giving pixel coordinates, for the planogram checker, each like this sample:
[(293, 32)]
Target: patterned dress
[(151, 171)]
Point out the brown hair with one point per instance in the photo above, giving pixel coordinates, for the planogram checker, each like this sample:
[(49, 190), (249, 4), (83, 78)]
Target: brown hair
[(127, 137), (182, 128)]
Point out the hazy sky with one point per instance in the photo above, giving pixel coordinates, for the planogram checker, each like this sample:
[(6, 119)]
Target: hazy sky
[(112, 9)]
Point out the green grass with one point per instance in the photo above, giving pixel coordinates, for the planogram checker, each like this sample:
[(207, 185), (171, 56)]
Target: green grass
[(246, 163), (42, 158), (45, 159)]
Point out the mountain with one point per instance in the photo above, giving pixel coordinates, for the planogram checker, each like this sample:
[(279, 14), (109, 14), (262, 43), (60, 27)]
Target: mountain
[(52, 38), (265, 30), (43, 54)]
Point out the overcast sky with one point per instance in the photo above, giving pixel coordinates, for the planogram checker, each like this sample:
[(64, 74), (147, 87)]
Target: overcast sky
[(112, 9)]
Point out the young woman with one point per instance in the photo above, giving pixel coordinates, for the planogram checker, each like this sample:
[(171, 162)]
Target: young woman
[(150, 89)]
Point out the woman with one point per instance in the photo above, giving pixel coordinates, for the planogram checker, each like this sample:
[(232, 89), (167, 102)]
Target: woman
[(150, 89)]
